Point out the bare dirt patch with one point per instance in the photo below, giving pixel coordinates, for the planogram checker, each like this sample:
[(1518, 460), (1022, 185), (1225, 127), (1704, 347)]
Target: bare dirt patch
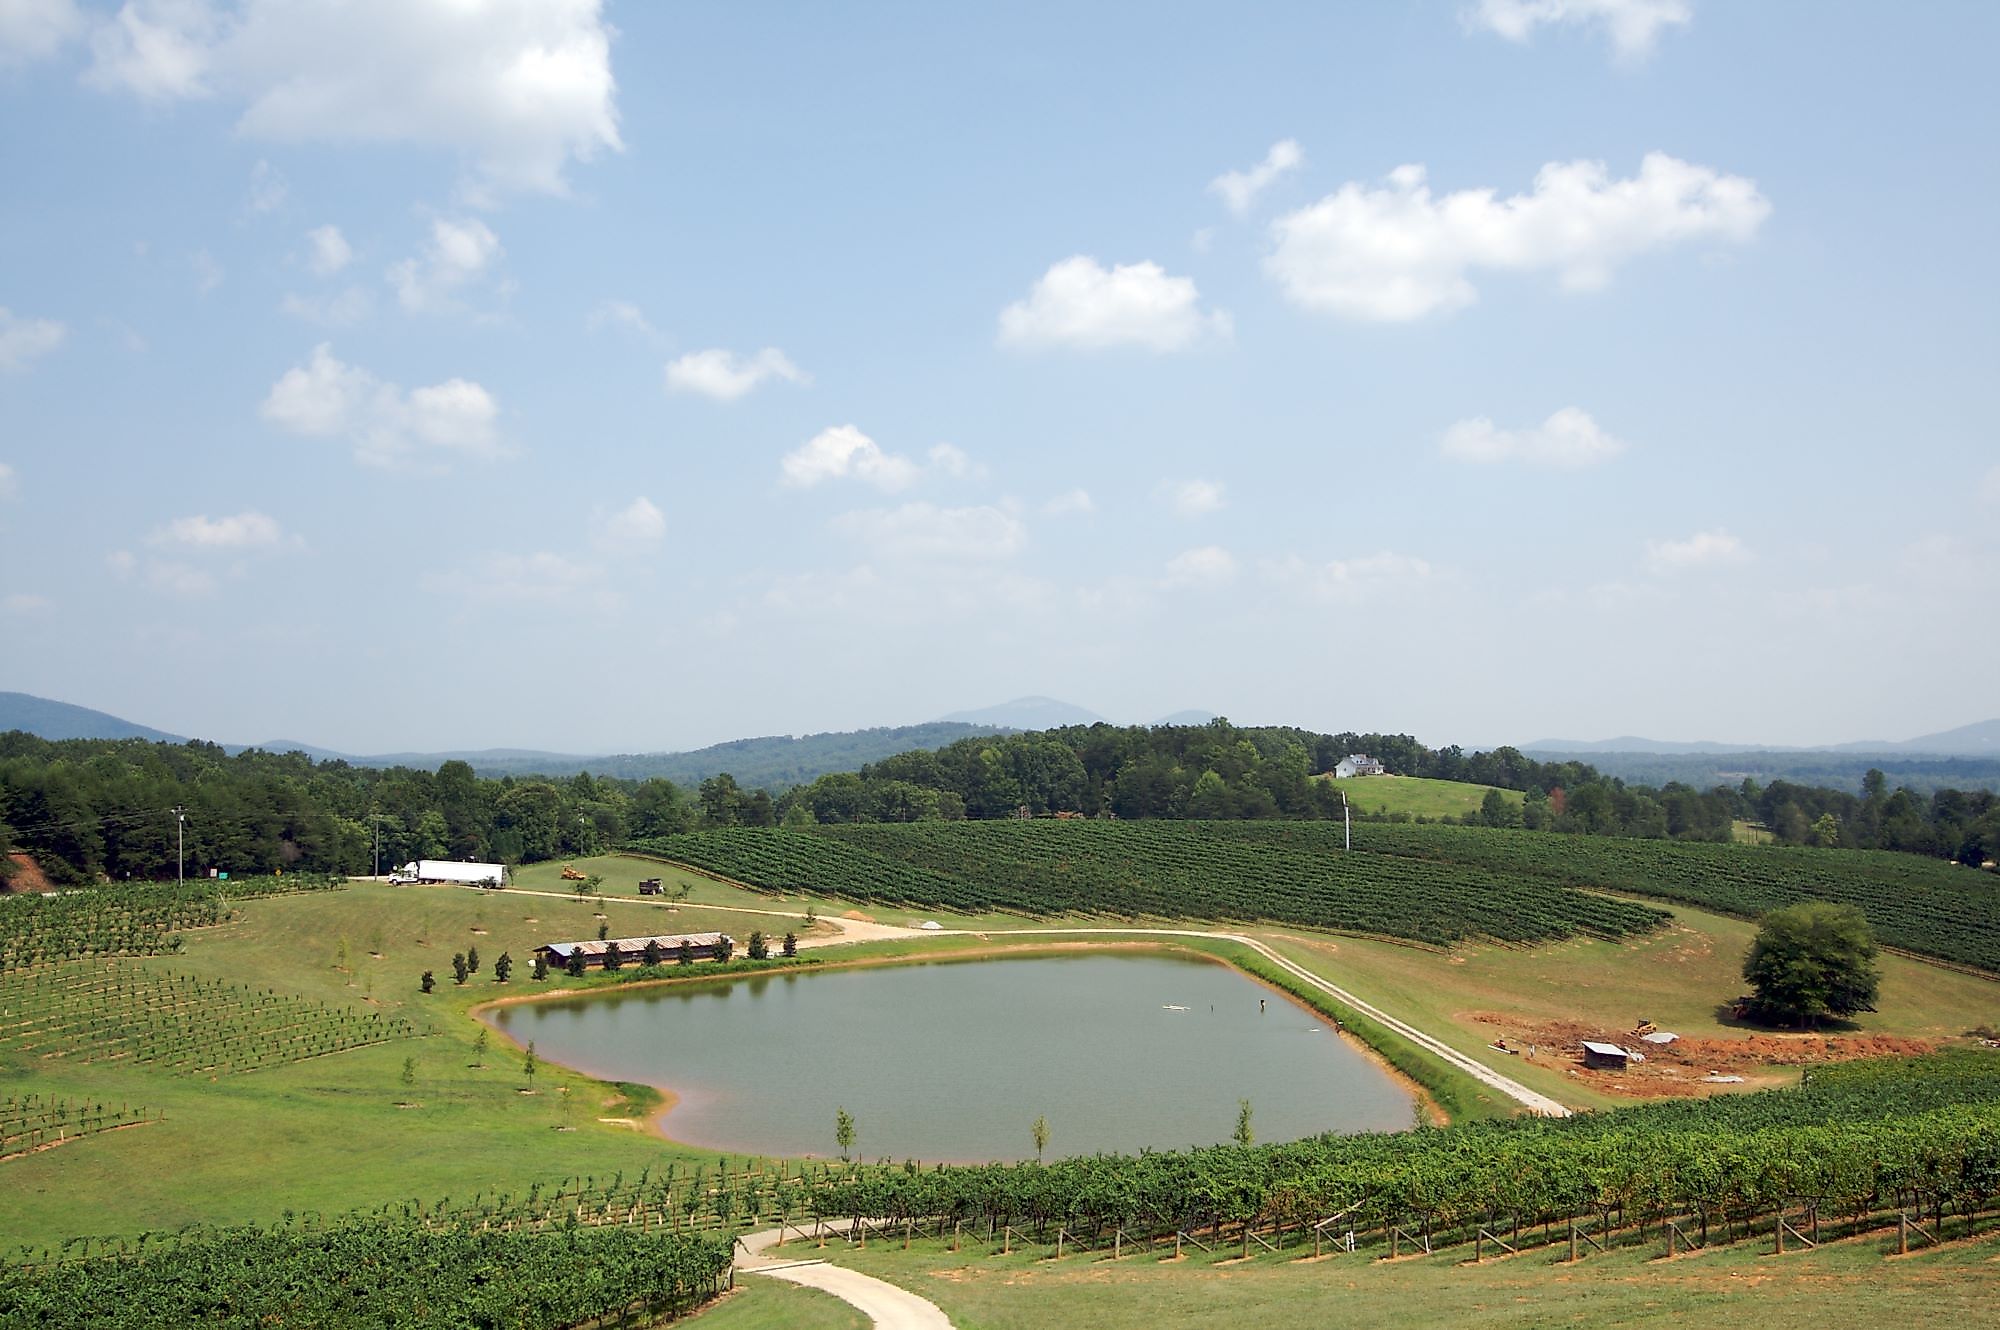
[(28, 875), (858, 917), (1678, 1069)]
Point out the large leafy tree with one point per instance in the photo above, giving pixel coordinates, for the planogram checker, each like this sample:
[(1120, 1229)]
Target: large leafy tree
[(1811, 961)]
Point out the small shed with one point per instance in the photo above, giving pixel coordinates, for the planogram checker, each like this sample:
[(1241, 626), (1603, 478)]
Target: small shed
[(1605, 1057), (649, 886)]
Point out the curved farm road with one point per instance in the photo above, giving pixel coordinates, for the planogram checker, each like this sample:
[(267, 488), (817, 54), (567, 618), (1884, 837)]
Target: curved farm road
[(883, 1303)]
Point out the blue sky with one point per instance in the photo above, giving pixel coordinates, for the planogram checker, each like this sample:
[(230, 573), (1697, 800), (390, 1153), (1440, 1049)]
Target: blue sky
[(392, 375)]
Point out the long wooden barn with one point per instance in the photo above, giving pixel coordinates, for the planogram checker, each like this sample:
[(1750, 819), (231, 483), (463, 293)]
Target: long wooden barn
[(632, 950)]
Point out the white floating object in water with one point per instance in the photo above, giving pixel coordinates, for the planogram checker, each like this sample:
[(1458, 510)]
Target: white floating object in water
[(1171, 1007)]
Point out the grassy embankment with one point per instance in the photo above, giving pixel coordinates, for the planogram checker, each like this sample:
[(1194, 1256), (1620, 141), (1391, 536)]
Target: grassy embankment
[(1417, 796)]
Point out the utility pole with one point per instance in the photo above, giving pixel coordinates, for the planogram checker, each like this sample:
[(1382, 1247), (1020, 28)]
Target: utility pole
[(180, 813), (1346, 819), (376, 818)]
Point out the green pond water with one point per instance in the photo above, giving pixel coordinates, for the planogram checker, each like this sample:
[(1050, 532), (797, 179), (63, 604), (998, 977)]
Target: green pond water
[(954, 1061)]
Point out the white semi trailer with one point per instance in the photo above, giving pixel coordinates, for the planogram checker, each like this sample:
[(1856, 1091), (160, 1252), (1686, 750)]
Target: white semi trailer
[(448, 870)]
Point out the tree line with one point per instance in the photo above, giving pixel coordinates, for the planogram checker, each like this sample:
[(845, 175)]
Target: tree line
[(85, 809)]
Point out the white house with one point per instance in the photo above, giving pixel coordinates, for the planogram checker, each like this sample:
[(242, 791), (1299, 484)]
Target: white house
[(1357, 764)]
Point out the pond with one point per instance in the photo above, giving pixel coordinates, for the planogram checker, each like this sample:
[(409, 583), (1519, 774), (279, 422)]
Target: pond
[(953, 1061)]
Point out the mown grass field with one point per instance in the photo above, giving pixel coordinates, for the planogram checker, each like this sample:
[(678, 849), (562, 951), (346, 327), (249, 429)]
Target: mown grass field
[(1418, 796)]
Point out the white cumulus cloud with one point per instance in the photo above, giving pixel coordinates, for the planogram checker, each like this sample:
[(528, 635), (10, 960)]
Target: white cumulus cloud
[(1398, 252), (1704, 549), (1239, 189), (1203, 566), (243, 531), (1633, 25), (622, 314), (457, 254), (1568, 438), (329, 251), (726, 376), (516, 88), (37, 29), (1070, 503), (843, 452), (1351, 579), (325, 398), (1079, 303), (924, 531), (22, 340), (1192, 498), (637, 526)]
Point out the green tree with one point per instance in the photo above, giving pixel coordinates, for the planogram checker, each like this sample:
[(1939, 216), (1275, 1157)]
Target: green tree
[(759, 948), (472, 960), (1040, 1130), (843, 1131), (684, 954), (613, 957), (458, 966), (791, 946), (541, 970), (409, 1071), (1826, 830), (573, 965), (479, 1047), (654, 954), (429, 981), (1243, 1136), (1810, 961), (528, 1063), (503, 969)]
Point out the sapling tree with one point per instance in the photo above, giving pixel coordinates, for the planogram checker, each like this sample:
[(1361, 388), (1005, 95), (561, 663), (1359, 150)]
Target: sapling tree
[(759, 948), (458, 966), (429, 981), (652, 955), (541, 970), (843, 1131), (573, 966), (1040, 1128), (503, 969), (791, 947), (472, 960), (528, 1063), (1243, 1135), (725, 948), (613, 958), (603, 930), (409, 1071), (479, 1047), (684, 954)]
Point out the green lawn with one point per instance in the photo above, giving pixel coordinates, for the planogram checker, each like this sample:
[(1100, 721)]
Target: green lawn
[(1416, 795), (759, 1303)]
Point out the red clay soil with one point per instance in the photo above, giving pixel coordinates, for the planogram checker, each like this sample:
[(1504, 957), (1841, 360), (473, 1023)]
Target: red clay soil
[(1677, 1069), (28, 875)]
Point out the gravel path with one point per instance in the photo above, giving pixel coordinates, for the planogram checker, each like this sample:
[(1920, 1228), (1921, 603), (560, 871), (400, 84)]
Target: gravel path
[(882, 1303)]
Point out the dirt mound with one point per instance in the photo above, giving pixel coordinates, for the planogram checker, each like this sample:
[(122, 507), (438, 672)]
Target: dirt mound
[(858, 916), (28, 875)]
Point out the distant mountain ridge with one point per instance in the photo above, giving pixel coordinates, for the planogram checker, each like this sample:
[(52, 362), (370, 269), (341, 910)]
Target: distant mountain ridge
[(50, 719), (1026, 713), (1980, 739)]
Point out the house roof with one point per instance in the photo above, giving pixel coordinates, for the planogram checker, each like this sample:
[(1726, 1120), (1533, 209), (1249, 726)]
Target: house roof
[(668, 942), (1604, 1050)]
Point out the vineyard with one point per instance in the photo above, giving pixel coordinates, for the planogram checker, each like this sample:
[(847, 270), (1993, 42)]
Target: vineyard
[(1921, 905), (111, 1010), (36, 1121), (126, 919), (378, 1272), (1155, 870), (1432, 884), (1860, 1146)]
